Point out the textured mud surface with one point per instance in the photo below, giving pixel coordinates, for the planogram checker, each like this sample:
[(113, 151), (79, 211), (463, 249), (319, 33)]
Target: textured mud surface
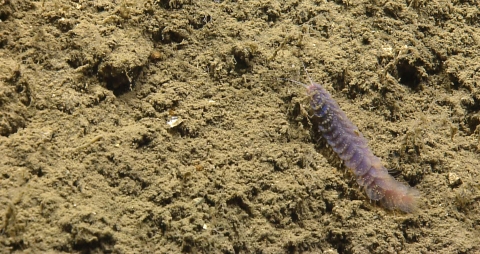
[(163, 126)]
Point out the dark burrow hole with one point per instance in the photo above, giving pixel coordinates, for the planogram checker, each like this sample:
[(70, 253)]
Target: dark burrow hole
[(119, 82), (408, 74)]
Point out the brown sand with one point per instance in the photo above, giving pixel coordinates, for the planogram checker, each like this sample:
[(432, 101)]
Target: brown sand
[(88, 163)]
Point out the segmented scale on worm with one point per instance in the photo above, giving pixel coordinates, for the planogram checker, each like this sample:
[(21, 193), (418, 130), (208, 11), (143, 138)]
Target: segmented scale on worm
[(350, 145)]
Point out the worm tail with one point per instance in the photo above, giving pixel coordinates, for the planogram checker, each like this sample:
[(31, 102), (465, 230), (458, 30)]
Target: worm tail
[(386, 189)]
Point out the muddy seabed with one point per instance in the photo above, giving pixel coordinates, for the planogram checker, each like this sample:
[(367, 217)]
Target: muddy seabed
[(165, 126)]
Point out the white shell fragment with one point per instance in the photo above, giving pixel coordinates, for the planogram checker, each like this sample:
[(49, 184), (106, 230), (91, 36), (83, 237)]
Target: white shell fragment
[(174, 121), (198, 201)]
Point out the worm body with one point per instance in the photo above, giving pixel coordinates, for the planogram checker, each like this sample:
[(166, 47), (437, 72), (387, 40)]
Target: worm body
[(350, 145)]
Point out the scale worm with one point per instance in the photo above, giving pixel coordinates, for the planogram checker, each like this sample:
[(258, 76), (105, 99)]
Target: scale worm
[(350, 145)]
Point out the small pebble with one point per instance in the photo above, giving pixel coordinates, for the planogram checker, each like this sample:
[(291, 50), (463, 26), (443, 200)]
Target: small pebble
[(454, 180)]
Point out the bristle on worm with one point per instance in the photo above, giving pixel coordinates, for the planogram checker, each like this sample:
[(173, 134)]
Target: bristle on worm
[(350, 145)]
